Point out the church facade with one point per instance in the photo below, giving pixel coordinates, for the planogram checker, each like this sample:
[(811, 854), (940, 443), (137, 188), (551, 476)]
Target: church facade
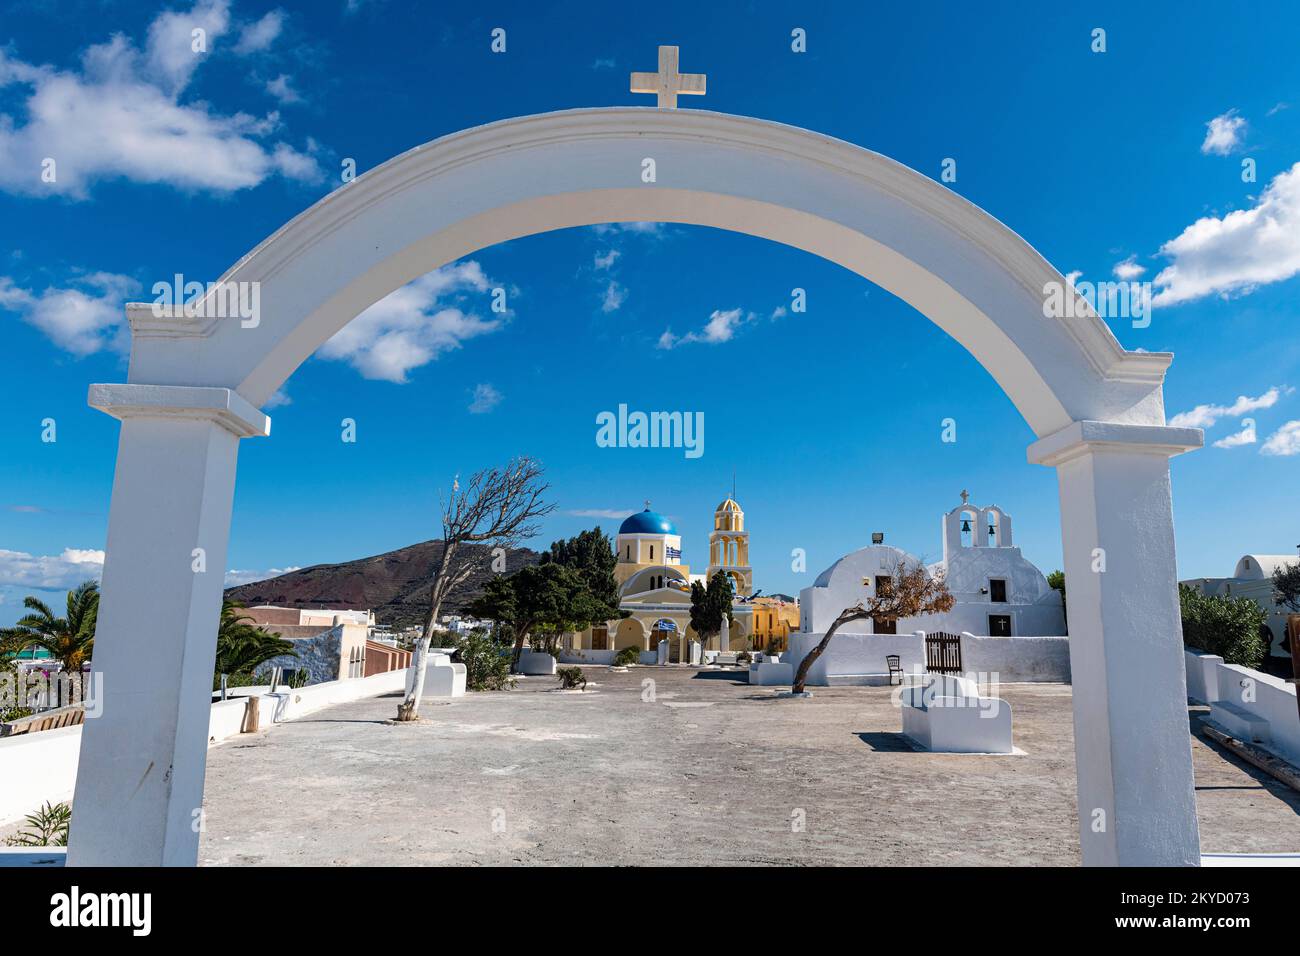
[(997, 592), (655, 585)]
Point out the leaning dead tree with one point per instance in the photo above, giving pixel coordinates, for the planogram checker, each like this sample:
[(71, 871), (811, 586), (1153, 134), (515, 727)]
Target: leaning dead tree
[(497, 508), (909, 591)]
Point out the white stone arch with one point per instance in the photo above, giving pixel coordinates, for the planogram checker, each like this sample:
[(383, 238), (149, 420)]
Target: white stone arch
[(194, 385)]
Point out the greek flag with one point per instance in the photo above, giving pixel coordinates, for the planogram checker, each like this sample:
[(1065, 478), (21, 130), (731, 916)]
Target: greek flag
[(673, 553)]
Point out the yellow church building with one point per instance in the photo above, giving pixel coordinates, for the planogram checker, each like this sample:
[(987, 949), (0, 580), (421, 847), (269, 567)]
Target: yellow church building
[(655, 586)]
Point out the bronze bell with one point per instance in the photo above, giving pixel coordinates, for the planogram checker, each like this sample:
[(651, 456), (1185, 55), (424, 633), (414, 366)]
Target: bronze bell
[(965, 525)]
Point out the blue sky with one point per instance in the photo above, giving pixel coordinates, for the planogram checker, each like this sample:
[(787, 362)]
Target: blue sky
[(171, 162)]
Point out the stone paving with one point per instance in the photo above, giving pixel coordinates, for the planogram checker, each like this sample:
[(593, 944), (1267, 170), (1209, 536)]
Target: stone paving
[(709, 771)]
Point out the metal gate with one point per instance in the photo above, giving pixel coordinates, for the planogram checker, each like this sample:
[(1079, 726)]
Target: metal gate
[(943, 653)]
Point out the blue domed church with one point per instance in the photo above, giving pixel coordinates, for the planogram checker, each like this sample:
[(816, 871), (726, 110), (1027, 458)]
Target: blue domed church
[(655, 586)]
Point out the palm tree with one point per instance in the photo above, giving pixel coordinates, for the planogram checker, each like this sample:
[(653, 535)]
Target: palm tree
[(69, 640), (242, 645)]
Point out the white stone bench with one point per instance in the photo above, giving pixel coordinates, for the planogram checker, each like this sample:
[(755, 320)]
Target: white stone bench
[(1239, 722), (771, 674), (442, 678), (947, 715), (535, 663)]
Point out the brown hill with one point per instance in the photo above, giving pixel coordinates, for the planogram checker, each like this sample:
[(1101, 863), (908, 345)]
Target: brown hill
[(395, 584)]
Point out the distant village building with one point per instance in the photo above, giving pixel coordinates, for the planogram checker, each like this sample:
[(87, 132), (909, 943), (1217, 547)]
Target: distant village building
[(996, 590), (1253, 578), (775, 617), (331, 644)]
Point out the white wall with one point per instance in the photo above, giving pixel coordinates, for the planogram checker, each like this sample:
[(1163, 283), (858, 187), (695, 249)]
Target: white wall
[(1011, 659), (1018, 659), (1274, 701), (1264, 696), (601, 657), (42, 766), (35, 768), (1202, 676), (853, 654)]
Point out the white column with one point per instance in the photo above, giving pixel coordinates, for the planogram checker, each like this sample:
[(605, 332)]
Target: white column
[(1132, 746), (140, 777), (724, 637)]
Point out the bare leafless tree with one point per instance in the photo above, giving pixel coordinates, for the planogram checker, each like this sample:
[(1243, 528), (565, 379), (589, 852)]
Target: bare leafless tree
[(497, 508), (909, 591)]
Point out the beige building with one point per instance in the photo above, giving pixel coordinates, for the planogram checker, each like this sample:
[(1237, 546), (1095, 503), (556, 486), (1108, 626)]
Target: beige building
[(775, 618), (331, 644), (655, 586)]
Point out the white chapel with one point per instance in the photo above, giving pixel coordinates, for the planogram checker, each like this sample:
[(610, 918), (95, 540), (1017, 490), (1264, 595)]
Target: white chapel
[(996, 590)]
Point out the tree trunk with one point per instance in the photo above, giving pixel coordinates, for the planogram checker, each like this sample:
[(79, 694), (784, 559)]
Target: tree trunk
[(853, 614), (409, 709), (521, 632)]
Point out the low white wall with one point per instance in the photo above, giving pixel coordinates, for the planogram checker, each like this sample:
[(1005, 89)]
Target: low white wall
[(1011, 659), (35, 768), (227, 719), (1202, 675), (854, 654), (1018, 659), (42, 766), (602, 657), (1268, 698)]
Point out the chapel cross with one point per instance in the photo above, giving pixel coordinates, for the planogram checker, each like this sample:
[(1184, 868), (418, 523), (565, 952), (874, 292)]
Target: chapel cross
[(668, 83), (965, 496)]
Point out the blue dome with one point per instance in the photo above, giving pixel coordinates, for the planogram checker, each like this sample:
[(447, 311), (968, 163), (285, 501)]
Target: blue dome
[(647, 522)]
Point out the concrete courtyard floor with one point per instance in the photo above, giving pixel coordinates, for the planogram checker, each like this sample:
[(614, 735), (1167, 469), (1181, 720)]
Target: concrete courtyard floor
[(710, 771)]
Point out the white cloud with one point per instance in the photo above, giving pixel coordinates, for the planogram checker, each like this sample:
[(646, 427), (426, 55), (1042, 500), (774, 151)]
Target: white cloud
[(1128, 269), (50, 572), (120, 115), (1244, 437), (1073, 277), (779, 312), (171, 58), (282, 89), (610, 514), (637, 228), (259, 35), (721, 327), (603, 63), (614, 297), (81, 320), (1204, 416), (606, 259), (412, 326), (1223, 134), (1283, 442), (486, 398), (1238, 252), (281, 397), (235, 578)]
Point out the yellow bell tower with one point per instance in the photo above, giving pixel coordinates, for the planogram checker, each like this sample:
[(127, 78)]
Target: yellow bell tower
[(729, 547)]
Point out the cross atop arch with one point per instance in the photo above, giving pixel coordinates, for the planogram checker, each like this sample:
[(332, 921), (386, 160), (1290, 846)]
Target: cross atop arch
[(667, 83)]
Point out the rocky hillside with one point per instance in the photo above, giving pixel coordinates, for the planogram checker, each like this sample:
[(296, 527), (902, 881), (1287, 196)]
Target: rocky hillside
[(395, 585)]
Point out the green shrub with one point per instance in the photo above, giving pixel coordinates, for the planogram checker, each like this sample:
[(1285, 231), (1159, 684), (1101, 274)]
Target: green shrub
[(14, 713), (571, 677), (48, 826), (1227, 626), (487, 664), (628, 655), (744, 657)]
